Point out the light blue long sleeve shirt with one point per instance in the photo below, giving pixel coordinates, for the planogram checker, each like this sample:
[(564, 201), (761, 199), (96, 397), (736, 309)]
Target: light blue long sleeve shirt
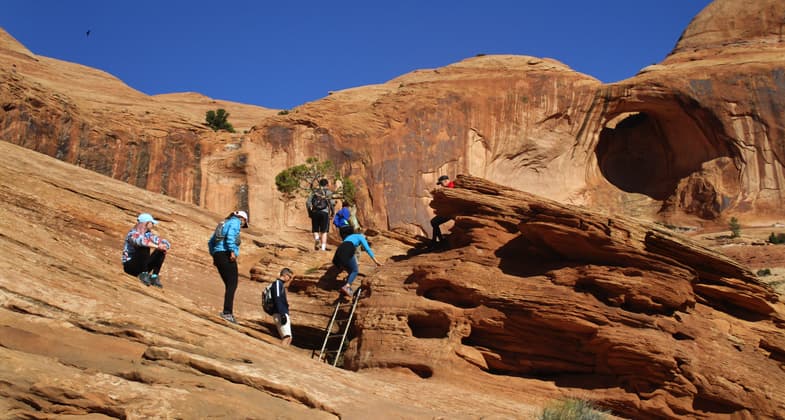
[(358, 239), (231, 242)]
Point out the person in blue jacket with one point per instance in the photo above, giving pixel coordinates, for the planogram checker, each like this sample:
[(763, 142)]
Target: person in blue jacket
[(224, 246), (342, 221), (344, 258), (281, 316)]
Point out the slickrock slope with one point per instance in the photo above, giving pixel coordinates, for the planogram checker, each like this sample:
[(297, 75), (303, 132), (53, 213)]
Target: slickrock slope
[(78, 336), (627, 313)]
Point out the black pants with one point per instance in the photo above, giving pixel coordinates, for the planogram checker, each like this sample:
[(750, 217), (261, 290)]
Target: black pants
[(228, 271), (437, 232), (143, 261)]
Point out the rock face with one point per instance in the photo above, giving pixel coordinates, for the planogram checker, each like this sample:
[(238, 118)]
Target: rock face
[(694, 139), (89, 118), (534, 300), (627, 313), (78, 337)]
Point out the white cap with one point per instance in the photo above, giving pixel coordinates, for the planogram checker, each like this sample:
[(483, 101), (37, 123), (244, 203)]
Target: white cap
[(243, 215), (147, 217)]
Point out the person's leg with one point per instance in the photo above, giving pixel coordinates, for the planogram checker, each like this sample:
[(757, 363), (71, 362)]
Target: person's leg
[(353, 268), (284, 331), (133, 267), (137, 266), (324, 226), (315, 230), (228, 271), (436, 222), (437, 233), (155, 262)]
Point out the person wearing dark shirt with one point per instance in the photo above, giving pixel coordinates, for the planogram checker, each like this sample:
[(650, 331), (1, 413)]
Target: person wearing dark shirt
[(283, 322), (437, 238), (320, 207)]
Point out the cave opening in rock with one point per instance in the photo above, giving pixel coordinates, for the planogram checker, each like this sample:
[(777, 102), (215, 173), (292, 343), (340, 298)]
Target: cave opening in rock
[(649, 151), (431, 325)]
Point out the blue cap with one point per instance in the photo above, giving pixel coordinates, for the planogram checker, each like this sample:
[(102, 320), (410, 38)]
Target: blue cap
[(146, 217)]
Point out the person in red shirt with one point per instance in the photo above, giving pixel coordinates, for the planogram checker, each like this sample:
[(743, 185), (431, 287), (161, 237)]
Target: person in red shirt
[(437, 238)]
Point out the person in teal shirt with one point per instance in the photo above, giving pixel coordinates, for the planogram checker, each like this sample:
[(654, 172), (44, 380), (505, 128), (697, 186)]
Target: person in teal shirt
[(344, 258), (224, 246)]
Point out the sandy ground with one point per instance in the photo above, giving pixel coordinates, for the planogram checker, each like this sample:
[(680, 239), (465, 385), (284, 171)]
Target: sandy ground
[(752, 249)]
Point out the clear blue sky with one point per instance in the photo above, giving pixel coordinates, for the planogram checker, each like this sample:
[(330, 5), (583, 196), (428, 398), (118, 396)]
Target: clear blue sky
[(280, 54)]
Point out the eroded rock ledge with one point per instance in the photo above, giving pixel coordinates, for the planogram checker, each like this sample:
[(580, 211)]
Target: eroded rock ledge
[(626, 312)]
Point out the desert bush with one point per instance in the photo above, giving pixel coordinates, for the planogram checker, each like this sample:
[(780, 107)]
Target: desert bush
[(572, 409), (777, 239), (218, 120), (735, 227), (763, 272)]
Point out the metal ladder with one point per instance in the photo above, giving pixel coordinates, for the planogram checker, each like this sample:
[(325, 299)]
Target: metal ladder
[(343, 323)]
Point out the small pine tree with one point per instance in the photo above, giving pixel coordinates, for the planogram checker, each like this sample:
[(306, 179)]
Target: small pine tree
[(301, 179), (218, 120), (735, 227)]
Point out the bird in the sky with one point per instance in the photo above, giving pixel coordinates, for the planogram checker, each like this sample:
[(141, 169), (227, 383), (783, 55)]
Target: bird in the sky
[(87, 33)]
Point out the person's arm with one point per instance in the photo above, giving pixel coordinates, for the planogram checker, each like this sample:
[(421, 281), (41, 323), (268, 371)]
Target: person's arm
[(279, 296), (368, 249), (309, 204), (150, 240), (232, 232)]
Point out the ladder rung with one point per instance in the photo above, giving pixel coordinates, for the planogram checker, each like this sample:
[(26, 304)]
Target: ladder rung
[(342, 324)]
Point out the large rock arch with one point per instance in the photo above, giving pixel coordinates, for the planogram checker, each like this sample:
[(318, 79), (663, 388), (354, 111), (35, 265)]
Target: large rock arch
[(662, 145)]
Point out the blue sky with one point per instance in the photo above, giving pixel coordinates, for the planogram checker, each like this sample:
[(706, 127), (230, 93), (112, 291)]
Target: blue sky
[(280, 54)]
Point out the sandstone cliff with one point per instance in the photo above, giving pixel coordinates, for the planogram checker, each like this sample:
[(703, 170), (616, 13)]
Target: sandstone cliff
[(89, 118), (533, 300), (692, 140)]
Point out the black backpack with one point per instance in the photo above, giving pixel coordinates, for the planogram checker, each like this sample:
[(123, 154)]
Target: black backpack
[(268, 303), (319, 201)]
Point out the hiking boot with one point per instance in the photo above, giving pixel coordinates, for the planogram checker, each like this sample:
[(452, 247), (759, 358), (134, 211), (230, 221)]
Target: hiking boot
[(155, 281), (144, 277), (228, 317), (347, 290), (316, 244)]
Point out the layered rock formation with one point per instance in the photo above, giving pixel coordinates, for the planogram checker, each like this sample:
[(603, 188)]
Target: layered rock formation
[(78, 337), (533, 300), (693, 139), (629, 314), (89, 118)]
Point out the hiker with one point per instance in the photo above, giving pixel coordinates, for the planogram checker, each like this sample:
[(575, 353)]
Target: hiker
[(342, 221), (437, 237), (320, 210), (224, 246), (344, 258), (137, 257), (281, 316)]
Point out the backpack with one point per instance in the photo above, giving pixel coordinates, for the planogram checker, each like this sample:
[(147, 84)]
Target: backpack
[(319, 201), (268, 304), (219, 232)]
